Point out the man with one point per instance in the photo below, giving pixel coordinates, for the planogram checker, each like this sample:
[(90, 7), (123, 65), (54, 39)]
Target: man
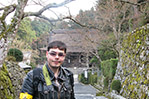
[(54, 81)]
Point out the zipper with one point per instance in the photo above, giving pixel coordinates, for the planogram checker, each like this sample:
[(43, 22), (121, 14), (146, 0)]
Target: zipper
[(59, 90), (58, 94)]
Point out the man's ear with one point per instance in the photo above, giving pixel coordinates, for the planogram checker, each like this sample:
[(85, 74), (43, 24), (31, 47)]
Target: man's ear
[(65, 54), (47, 53)]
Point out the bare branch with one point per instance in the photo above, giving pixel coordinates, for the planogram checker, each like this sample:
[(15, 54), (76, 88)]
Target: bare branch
[(8, 10), (49, 20), (90, 27), (54, 13), (69, 11), (38, 3), (132, 3), (54, 5)]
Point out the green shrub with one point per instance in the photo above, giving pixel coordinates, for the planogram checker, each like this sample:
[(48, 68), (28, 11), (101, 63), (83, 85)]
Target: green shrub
[(16, 53), (116, 85), (91, 79), (94, 59), (109, 68), (106, 54), (94, 80), (114, 63), (106, 82), (105, 66), (83, 79)]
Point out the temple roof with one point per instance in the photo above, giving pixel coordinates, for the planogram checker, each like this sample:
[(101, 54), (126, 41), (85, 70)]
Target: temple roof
[(77, 40)]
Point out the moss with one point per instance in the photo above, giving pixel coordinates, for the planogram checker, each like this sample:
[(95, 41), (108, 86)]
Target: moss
[(131, 87), (146, 82), (6, 91), (126, 81), (4, 68), (27, 70), (138, 75), (143, 96), (139, 79), (139, 44), (133, 95), (100, 94)]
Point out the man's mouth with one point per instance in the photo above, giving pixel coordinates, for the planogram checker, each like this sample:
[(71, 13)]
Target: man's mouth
[(56, 62)]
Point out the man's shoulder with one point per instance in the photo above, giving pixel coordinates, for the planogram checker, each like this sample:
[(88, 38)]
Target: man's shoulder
[(37, 72), (37, 69), (67, 71), (34, 72)]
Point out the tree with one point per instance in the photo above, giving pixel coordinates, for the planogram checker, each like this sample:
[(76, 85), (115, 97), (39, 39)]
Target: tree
[(117, 18), (37, 45), (140, 15), (113, 15), (25, 31), (19, 13), (41, 26), (86, 17)]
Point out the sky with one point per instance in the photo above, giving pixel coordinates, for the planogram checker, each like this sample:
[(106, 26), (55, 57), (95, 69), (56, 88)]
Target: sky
[(74, 7)]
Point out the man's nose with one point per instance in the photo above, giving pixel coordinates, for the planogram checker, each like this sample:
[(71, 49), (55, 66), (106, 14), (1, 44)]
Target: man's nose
[(56, 56)]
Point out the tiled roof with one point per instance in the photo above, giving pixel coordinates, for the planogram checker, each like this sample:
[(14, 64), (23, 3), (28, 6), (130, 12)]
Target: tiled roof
[(77, 40)]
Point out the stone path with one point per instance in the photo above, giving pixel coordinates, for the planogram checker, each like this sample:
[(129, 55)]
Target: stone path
[(86, 92)]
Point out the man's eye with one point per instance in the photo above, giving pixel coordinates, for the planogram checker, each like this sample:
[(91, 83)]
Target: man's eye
[(60, 54), (52, 54)]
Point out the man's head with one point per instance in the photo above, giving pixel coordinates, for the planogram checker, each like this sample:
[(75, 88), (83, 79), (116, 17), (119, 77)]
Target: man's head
[(56, 52), (57, 44)]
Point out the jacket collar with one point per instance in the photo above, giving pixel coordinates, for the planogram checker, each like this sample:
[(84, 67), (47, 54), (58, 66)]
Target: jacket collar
[(51, 74)]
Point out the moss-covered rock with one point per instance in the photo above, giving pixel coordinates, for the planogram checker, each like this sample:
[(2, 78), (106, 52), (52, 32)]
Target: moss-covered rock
[(6, 88), (11, 79), (134, 68)]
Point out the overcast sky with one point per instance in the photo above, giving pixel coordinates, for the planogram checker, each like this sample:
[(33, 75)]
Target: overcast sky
[(73, 6)]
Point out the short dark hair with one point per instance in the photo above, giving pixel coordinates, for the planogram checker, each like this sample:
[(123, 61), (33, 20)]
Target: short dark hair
[(57, 44)]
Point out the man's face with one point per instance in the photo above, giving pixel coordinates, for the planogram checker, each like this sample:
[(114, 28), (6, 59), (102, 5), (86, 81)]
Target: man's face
[(55, 57)]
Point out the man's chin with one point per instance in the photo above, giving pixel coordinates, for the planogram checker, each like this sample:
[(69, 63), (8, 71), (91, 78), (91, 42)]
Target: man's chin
[(55, 67)]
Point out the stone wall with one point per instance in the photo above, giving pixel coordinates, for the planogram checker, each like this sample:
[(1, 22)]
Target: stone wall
[(3, 50), (6, 88), (14, 74), (133, 66)]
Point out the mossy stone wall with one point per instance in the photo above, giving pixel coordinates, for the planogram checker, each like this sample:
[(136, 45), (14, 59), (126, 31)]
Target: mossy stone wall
[(6, 88), (133, 66), (11, 79)]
